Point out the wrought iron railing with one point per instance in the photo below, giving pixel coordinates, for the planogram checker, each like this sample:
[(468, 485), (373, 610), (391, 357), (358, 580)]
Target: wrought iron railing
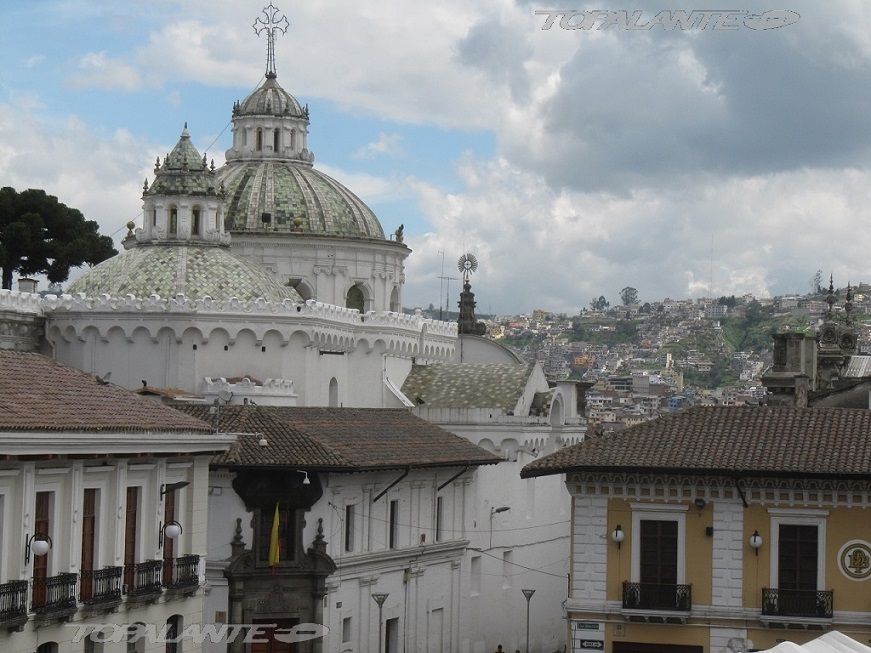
[(101, 585), (184, 571), (655, 596), (145, 576), (798, 603), (54, 593), (13, 600)]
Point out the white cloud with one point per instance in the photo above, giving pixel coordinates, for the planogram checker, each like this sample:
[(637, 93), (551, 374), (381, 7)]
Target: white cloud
[(386, 145)]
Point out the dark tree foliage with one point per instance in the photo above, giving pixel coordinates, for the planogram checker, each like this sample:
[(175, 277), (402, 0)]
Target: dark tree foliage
[(629, 296), (39, 235)]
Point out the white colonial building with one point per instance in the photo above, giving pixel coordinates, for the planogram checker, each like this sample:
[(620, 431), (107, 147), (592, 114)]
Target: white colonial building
[(264, 298)]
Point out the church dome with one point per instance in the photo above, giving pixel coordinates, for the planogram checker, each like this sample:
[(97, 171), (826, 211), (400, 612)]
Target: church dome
[(268, 178), (293, 198), (167, 270), (270, 100)]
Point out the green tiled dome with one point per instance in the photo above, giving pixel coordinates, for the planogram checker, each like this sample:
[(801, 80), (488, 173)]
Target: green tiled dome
[(270, 99), (171, 269), (297, 197)]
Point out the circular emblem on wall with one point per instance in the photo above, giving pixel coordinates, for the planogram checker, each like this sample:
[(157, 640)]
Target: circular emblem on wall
[(854, 560)]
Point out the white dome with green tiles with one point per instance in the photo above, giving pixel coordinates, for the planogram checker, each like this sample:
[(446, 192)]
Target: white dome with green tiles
[(269, 180), (167, 270)]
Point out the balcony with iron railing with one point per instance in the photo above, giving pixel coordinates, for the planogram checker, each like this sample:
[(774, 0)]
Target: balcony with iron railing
[(656, 597), (13, 604), (54, 597), (182, 573), (142, 580), (797, 605), (101, 587)]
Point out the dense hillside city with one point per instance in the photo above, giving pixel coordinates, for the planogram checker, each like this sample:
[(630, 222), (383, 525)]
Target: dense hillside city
[(642, 360)]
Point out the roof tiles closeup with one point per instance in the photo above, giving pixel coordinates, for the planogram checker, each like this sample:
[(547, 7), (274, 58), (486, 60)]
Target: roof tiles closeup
[(352, 439), (467, 385), (40, 394), (752, 441)]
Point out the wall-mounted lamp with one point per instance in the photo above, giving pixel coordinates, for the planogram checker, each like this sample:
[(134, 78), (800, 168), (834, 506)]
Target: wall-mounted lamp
[(172, 487), (496, 511), (617, 535), (700, 503), (171, 529), (305, 480), (39, 544), (755, 541)]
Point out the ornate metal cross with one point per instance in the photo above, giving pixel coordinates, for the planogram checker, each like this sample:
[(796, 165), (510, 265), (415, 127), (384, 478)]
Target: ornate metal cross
[(273, 22)]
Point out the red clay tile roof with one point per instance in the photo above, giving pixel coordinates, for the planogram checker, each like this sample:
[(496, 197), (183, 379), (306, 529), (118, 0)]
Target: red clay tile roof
[(39, 394), (335, 439), (751, 441)]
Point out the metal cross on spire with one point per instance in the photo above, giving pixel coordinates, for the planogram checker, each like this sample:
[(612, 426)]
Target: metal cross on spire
[(274, 21)]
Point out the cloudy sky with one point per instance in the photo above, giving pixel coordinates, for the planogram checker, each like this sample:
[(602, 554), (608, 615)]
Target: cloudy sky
[(570, 162)]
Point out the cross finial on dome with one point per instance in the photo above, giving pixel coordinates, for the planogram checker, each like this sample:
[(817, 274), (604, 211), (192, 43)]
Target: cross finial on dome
[(274, 21)]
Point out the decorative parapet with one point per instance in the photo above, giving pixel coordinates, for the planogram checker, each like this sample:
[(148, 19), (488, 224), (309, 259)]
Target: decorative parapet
[(271, 392), (20, 302), (326, 326)]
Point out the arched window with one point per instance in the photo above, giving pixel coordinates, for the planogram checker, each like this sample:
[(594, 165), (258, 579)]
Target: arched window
[(394, 301), (173, 221), (47, 647), (153, 217), (244, 137), (334, 393), (293, 139), (259, 145), (136, 636), (276, 140), (195, 221), (355, 298), (174, 628)]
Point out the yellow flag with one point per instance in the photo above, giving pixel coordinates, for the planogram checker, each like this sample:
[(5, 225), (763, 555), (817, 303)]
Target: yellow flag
[(274, 545)]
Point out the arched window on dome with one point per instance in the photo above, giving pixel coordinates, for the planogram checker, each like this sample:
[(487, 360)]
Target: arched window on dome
[(334, 393), (355, 298), (293, 140), (394, 301), (276, 140), (173, 220), (259, 145), (196, 221), (244, 137), (153, 217)]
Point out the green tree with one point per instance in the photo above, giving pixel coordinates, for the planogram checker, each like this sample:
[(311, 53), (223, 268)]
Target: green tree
[(629, 296), (600, 304), (39, 235)]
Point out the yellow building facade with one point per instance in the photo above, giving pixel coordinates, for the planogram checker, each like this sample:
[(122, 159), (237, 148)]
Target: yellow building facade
[(719, 529)]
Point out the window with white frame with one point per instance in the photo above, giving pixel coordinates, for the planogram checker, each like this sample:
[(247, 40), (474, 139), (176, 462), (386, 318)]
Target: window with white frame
[(658, 543), (797, 549)]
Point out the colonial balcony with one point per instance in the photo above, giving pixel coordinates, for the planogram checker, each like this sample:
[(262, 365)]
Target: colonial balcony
[(54, 597), (183, 572), (654, 601), (13, 604), (142, 580), (797, 606), (101, 587)]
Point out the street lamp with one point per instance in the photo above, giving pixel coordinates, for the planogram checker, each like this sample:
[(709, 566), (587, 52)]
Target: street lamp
[(379, 599), (528, 594)]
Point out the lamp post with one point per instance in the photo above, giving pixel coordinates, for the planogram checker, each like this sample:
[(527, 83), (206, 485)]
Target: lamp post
[(379, 599), (528, 594)]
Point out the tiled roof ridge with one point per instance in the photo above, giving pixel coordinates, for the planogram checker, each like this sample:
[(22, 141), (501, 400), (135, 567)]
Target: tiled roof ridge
[(729, 439)]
